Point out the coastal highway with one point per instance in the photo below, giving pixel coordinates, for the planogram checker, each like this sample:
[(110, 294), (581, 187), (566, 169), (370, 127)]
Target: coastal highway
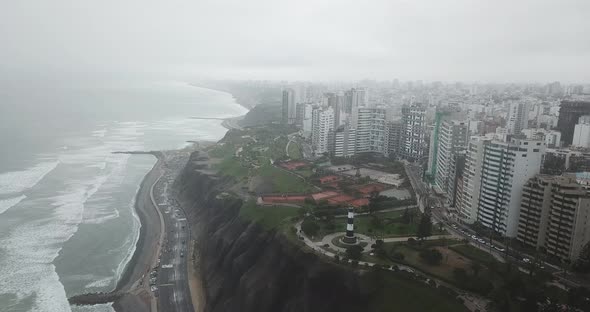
[(172, 282)]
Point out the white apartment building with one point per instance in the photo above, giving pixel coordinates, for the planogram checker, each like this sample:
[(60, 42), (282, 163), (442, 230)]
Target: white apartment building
[(506, 167), (321, 125), (582, 132), (467, 208), (342, 141), (414, 130), (451, 138), (518, 117), (370, 130)]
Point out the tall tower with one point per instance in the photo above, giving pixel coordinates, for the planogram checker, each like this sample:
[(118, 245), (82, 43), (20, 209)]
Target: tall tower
[(349, 238)]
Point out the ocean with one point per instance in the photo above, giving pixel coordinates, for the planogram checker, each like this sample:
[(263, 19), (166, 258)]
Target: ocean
[(67, 219)]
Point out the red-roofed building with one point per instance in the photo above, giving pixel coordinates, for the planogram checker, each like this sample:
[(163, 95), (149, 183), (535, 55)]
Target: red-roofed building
[(361, 202), (324, 195), (293, 165), (340, 199), (367, 189), (277, 199), (329, 179)]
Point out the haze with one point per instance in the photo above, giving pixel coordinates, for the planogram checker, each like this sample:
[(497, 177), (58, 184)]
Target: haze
[(486, 41)]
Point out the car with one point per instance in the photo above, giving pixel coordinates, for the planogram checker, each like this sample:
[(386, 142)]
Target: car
[(182, 254), (474, 237), (481, 240), (454, 226), (526, 260)]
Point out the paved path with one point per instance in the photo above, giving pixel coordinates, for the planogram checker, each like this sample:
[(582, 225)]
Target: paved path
[(471, 301)]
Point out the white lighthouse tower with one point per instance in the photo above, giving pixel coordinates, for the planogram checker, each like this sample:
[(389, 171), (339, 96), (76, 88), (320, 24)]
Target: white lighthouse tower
[(349, 238)]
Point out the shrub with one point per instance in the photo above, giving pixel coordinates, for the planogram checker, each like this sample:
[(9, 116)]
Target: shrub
[(354, 252), (310, 227), (398, 256), (431, 256)]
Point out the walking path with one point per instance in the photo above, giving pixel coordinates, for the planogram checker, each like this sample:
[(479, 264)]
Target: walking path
[(471, 301)]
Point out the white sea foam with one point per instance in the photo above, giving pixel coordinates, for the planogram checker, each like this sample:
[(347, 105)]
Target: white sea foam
[(108, 307), (18, 181), (99, 133), (103, 282), (6, 204), (131, 241)]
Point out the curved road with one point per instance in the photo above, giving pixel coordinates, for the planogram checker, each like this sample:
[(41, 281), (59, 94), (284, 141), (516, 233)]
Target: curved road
[(172, 282)]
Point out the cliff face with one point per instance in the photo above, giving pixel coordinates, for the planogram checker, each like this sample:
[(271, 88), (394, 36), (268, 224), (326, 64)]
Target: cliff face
[(246, 268)]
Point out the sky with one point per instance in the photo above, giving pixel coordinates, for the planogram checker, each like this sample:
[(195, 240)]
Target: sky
[(446, 40)]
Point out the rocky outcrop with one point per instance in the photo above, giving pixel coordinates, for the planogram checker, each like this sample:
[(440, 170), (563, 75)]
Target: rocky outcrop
[(246, 268)]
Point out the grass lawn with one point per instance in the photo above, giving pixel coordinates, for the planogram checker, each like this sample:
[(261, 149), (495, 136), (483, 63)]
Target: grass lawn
[(232, 166), (268, 216), (284, 182), (473, 253), (364, 225), (399, 293), (451, 260), (295, 151)]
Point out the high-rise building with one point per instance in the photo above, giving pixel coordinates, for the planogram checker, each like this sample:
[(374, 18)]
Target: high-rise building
[(569, 113), (467, 207), (358, 99), (506, 168), (582, 132), (518, 117), (370, 130), (393, 133), (289, 107), (321, 126), (554, 214), (456, 170), (342, 141), (450, 140), (414, 130)]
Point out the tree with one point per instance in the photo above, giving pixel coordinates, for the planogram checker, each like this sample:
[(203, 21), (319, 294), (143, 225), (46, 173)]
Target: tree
[(406, 218), (425, 227), (310, 227), (354, 252), (431, 256)]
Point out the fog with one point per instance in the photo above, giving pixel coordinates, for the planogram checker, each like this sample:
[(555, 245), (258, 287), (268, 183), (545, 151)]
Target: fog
[(465, 40)]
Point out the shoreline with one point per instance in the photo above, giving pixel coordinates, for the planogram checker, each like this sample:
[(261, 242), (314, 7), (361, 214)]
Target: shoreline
[(129, 293)]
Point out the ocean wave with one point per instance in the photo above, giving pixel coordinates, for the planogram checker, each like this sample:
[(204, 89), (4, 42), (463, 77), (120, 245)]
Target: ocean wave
[(19, 181), (6, 204)]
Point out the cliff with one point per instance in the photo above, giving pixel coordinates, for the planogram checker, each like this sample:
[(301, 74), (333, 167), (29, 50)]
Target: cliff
[(246, 268)]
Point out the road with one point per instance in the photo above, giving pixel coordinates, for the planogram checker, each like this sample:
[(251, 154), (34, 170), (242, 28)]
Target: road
[(500, 252), (171, 278)]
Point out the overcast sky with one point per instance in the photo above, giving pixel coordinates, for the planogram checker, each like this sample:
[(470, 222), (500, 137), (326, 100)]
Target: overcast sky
[(467, 40)]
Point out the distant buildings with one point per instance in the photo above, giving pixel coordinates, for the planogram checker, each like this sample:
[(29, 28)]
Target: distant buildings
[(289, 109), (582, 132), (517, 117), (554, 214), (569, 113)]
